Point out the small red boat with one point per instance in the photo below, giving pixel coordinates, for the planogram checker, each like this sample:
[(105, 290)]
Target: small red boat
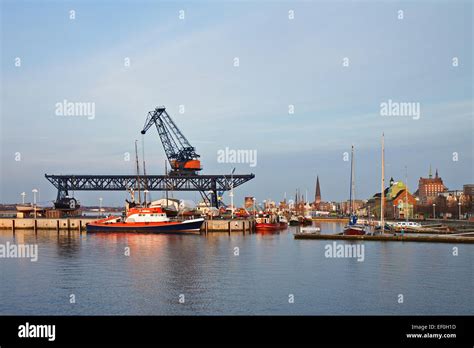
[(353, 228), (151, 220), (269, 222)]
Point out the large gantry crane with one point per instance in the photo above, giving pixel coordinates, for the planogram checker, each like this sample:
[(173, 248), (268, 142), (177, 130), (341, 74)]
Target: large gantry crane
[(181, 155), (184, 174)]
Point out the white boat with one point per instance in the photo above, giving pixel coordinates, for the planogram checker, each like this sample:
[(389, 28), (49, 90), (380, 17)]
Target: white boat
[(406, 224), (310, 230)]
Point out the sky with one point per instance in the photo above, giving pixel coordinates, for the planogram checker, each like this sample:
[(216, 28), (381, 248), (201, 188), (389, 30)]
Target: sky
[(332, 63)]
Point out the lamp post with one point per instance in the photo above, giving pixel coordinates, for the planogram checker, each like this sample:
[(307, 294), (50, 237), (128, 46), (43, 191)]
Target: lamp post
[(100, 206), (434, 211), (35, 191), (23, 194), (459, 205)]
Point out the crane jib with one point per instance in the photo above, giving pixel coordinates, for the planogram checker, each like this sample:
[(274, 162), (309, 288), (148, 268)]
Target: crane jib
[(181, 155)]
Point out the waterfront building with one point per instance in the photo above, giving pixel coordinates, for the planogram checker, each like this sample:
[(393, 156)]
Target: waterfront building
[(398, 201), (429, 188)]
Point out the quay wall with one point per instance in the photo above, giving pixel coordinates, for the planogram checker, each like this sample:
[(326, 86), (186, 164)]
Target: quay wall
[(217, 225)]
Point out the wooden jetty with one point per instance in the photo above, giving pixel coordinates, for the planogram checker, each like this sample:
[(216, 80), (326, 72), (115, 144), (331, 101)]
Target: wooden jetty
[(79, 224), (390, 238)]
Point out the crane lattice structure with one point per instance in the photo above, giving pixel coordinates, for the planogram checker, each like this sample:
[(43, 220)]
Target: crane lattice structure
[(184, 176)]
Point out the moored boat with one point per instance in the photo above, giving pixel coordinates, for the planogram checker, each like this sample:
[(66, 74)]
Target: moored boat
[(294, 221), (148, 220), (283, 222), (353, 228), (266, 222)]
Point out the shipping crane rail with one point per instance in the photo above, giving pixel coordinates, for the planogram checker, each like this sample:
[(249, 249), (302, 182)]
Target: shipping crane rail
[(207, 185)]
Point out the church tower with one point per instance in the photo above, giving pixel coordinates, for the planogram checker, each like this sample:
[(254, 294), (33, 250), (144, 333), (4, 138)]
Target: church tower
[(317, 196)]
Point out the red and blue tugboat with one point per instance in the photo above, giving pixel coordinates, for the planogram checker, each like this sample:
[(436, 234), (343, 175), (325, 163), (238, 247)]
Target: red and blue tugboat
[(147, 220)]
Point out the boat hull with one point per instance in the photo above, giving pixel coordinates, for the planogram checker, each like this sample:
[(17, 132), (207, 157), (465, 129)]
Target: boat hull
[(267, 226), (147, 227), (354, 231)]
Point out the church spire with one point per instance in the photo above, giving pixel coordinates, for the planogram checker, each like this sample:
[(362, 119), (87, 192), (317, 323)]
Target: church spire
[(430, 174), (317, 196)]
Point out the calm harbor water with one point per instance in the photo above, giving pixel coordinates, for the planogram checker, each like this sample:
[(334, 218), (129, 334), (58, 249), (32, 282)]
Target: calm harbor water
[(215, 281)]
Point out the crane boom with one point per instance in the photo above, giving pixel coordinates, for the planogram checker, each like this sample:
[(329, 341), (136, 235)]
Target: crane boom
[(181, 155)]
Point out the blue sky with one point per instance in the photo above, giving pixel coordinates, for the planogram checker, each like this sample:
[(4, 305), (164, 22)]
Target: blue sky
[(190, 62)]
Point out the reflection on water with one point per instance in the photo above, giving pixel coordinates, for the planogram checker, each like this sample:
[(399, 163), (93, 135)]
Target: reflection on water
[(236, 274)]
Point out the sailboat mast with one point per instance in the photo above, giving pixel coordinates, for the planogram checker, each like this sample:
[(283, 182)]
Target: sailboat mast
[(143, 156), (166, 173), (145, 181), (138, 173), (382, 194), (352, 181)]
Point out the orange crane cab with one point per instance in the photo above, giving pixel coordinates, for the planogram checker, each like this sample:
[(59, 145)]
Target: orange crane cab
[(181, 155)]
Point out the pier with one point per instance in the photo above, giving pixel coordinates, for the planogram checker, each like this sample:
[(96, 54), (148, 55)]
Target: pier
[(390, 238), (79, 224)]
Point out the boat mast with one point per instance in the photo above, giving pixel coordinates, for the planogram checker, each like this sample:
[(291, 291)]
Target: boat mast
[(382, 192), (352, 180), (166, 173), (145, 184), (138, 173)]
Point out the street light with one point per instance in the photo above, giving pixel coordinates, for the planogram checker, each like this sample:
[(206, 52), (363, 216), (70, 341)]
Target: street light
[(23, 194), (35, 191), (459, 204), (100, 206), (434, 211)]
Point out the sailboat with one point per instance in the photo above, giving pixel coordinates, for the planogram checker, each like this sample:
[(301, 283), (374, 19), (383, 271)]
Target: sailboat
[(353, 228)]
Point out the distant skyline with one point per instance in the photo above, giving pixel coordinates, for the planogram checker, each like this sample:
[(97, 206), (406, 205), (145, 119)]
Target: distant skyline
[(306, 87)]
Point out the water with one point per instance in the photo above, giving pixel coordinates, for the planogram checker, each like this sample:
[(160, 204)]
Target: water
[(213, 280)]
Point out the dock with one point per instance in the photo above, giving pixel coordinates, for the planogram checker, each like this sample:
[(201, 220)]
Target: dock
[(79, 224), (390, 238), (62, 224)]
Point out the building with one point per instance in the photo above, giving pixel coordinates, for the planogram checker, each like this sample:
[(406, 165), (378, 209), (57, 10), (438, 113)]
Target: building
[(399, 202), (345, 207), (403, 204), (317, 195), (468, 190), (429, 188)]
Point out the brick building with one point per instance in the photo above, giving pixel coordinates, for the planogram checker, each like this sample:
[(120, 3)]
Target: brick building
[(429, 188)]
